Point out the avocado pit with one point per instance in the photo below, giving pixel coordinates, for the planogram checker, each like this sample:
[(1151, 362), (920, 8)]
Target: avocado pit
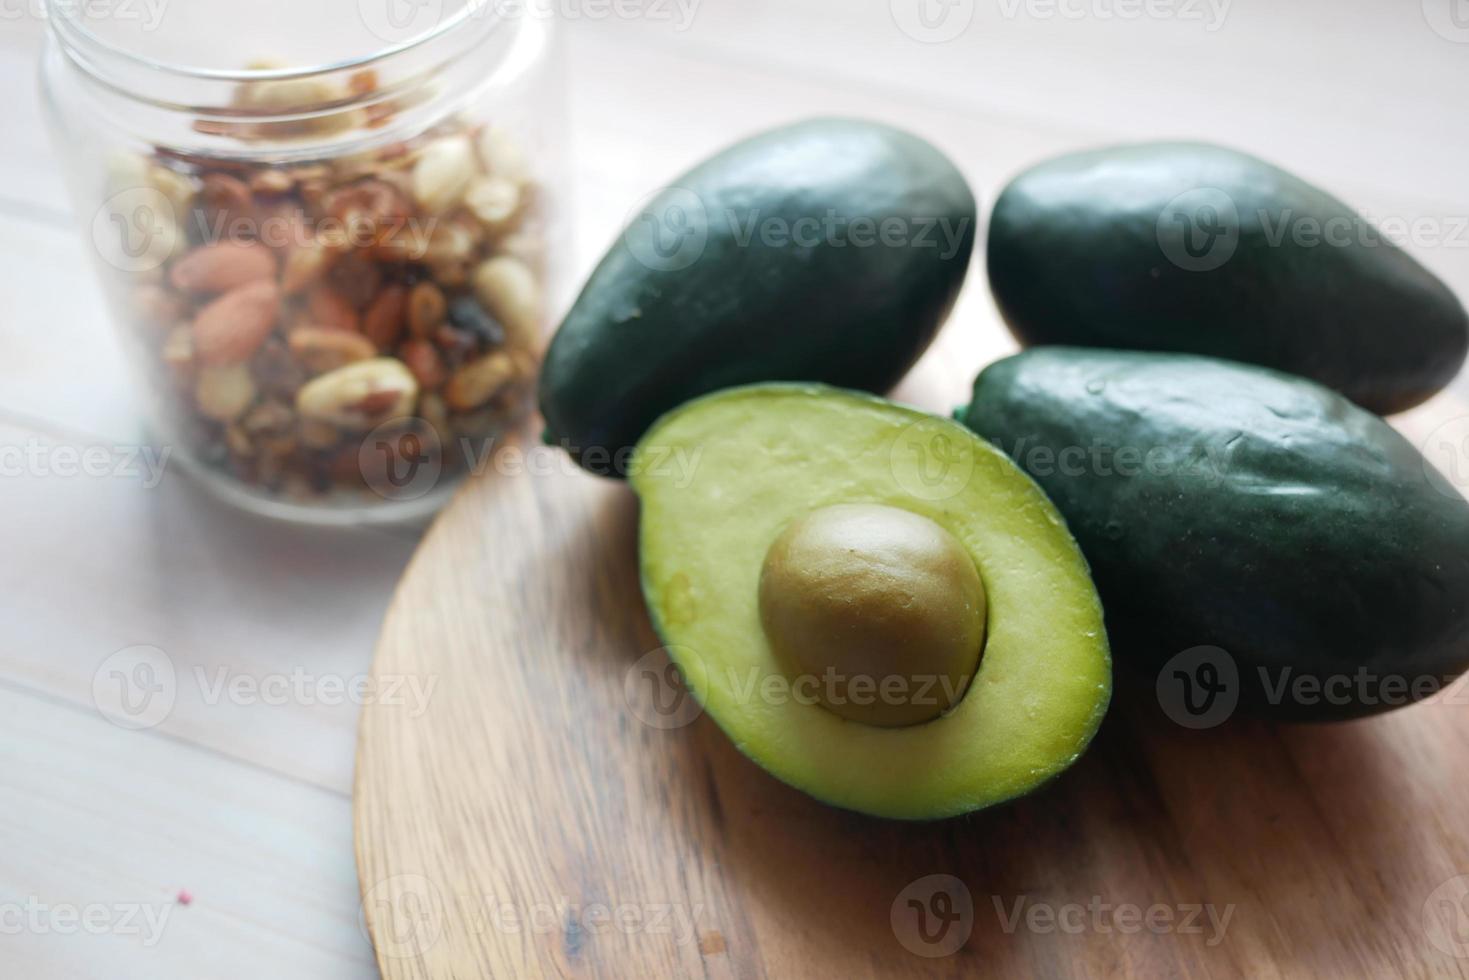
[(876, 612)]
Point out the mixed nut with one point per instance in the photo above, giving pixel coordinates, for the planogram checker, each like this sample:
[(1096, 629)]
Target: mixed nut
[(291, 310)]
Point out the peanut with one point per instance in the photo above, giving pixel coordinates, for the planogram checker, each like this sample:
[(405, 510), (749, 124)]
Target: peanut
[(177, 189), (223, 392), (324, 349), (507, 288), (503, 156), (479, 381), (442, 174), (494, 201)]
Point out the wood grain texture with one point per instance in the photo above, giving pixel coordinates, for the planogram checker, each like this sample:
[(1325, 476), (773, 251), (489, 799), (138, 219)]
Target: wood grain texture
[(532, 791)]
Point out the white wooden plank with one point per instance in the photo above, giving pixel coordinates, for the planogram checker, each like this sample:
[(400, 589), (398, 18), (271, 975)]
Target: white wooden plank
[(284, 614), (60, 357), (94, 816), (1349, 93)]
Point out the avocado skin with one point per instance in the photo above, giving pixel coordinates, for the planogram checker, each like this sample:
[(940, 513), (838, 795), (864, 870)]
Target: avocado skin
[(640, 341), (1322, 546), (1074, 258)]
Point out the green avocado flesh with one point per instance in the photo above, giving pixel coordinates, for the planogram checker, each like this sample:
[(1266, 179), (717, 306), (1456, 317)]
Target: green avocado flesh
[(721, 478)]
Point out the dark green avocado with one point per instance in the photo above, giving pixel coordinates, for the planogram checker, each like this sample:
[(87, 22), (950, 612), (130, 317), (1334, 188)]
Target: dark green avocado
[(1231, 506), (830, 251), (1200, 249)]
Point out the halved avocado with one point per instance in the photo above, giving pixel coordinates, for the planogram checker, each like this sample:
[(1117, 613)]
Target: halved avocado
[(797, 538)]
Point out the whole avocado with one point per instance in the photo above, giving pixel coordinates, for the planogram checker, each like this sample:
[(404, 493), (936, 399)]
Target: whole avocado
[(1224, 505), (1199, 249), (830, 250)]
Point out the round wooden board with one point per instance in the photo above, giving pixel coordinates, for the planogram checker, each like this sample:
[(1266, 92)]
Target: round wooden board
[(540, 818)]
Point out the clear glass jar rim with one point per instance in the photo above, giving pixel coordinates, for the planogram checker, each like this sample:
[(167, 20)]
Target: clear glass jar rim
[(82, 44)]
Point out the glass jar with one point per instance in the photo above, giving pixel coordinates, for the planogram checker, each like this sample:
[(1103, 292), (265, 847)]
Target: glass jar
[(326, 230)]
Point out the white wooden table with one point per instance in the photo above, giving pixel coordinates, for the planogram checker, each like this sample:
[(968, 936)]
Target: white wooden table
[(242, 800)]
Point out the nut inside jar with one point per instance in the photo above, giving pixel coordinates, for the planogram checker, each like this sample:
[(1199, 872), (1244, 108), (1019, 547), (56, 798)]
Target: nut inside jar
[(301, 307)]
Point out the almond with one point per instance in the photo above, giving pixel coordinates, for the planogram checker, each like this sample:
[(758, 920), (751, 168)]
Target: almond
[(424, 361), (386, 316), (426, 308), (329, 308), (221, 266), (224, 199), (233, 327)]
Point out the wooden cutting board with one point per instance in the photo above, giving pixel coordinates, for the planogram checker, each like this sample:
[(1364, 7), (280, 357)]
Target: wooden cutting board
[(546, 816)]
